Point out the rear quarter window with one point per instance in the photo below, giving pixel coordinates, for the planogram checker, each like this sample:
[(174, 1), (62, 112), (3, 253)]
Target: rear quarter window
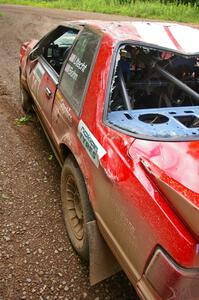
[(77, 70)]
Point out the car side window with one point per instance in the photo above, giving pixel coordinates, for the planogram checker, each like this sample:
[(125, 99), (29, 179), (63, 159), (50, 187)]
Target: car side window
[(57, 46), (77, 70)]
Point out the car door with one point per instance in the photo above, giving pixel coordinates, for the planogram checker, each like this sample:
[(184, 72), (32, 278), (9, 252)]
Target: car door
[(43, 77), (72, 89)]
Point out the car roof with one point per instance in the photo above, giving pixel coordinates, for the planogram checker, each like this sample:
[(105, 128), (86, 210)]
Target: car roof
[(179, 38)]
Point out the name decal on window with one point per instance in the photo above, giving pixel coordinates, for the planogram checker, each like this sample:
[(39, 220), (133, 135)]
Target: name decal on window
[(78, 63)]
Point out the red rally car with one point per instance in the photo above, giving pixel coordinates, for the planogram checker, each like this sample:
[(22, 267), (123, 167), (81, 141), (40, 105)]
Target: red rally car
[(119, 103)]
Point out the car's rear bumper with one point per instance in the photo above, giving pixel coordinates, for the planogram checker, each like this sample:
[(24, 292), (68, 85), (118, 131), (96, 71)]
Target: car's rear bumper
[(164, 279)]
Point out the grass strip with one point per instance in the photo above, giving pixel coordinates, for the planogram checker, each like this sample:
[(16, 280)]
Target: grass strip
[(141, 9)]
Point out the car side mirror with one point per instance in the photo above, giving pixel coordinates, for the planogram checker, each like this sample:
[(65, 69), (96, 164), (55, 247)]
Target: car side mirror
[(35, 53)]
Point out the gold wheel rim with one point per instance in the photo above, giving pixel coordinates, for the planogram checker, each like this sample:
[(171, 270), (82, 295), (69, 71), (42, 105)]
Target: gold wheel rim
[(74, 208)]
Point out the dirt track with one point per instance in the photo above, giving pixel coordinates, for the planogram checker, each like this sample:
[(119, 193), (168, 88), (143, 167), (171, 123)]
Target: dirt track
[(36, 258)]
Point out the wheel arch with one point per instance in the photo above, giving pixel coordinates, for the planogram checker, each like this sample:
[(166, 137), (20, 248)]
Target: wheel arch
[(64, 151)]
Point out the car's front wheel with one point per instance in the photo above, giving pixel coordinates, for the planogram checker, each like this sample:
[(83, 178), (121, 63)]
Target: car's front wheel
[(77, 210)]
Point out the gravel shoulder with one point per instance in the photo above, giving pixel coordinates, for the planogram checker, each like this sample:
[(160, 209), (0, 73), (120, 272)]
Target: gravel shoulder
[(36, 258)]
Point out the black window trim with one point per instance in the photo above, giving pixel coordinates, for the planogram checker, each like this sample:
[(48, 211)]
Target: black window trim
[(100, 35)]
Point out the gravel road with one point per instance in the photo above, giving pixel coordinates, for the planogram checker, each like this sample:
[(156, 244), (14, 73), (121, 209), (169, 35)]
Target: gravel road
[(36, 258)]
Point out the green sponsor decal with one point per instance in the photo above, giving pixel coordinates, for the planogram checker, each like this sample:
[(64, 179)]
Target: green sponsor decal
[(88, 143)]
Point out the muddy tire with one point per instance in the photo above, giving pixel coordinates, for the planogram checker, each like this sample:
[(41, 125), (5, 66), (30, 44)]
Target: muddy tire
[(26, 101), (76, 207)]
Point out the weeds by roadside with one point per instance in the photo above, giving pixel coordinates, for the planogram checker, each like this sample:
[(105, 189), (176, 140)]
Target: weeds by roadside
[(50, 157), (23, 120)]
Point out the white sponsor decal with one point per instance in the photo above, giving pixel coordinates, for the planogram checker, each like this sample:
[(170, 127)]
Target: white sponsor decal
[(90, 143), (72, 57), (74, 64), (38, 72), (71, 72), (76, 61)]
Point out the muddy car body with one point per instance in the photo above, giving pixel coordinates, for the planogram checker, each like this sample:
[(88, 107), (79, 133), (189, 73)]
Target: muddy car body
[(120, 100)]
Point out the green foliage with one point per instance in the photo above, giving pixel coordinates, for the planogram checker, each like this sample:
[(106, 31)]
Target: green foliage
[(23, 120), (173, 10), (50, 157)]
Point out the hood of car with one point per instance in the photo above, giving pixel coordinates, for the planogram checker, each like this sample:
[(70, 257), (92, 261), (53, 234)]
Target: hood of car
[(175, 160)]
